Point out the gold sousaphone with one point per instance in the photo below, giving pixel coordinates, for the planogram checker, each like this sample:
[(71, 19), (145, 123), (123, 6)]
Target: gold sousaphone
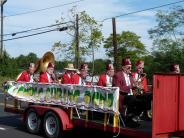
[(42, 64)]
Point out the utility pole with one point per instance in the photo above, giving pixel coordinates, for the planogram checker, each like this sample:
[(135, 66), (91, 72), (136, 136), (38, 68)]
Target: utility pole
[(115, 44), (93, 59), (77, 52), (2, 3)]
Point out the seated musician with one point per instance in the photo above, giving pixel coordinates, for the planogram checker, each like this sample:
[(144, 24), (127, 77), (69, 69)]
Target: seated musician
[(141, 88), (105, 79), (48, 76), (174, 68), (139, 76), (80, 78), (68, 76), (123, 79), (27, 75)]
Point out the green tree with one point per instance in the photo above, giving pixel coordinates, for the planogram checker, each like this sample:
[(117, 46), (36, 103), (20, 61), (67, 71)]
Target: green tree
[(8, 66), (168, 33), (23, 61), (89, 35), (168, 42), (100, 66), (128, 44)]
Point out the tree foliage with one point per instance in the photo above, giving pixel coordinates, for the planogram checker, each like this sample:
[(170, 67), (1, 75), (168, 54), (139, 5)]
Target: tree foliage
[(168, 41), (8, 66), (128, 44), (89, 35), (169, 32)]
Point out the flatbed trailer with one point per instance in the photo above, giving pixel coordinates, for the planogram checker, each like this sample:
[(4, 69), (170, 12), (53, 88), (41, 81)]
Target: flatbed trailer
[(167, 110)]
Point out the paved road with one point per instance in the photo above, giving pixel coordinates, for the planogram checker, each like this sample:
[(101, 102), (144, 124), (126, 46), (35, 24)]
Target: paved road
[(11, 126)]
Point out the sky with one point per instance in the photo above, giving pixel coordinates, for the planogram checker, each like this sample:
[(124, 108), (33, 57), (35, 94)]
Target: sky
[(138, 23)]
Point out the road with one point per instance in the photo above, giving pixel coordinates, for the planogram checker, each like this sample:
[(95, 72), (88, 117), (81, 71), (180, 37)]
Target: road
[(11, 126)]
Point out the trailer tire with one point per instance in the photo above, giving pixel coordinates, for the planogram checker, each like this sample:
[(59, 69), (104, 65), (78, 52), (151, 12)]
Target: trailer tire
[(33, 122), (52, 125)]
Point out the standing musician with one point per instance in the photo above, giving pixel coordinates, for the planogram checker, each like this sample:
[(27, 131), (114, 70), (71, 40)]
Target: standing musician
[(68, 76), (27, 75), (105, 79), (48, 76), (123, 79), (174, 68), (141, 88)]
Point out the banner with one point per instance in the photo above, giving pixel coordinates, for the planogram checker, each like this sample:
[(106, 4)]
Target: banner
[(94, 98)]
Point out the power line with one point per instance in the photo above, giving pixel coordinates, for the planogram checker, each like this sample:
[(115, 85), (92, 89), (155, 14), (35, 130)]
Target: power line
[(43, 32), (156, 7), (48, 8), (34, 29)]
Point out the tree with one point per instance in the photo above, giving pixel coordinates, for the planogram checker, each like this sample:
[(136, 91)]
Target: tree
[(100, 66), (169, 32), (90, 35), (8, 66), (23, 61), (168, 42), (128, 44)]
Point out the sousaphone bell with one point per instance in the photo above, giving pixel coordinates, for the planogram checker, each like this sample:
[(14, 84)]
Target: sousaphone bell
[(42, 64)]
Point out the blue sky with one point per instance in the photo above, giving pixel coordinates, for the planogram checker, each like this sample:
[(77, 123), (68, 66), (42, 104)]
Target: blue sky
[(139, 23)]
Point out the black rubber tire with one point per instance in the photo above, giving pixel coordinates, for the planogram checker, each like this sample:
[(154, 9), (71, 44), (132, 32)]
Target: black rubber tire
[(38, 121), (58, 133)]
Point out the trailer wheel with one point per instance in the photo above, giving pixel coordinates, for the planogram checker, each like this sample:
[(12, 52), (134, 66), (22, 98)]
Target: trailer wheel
[(33, 122), (52, 125)]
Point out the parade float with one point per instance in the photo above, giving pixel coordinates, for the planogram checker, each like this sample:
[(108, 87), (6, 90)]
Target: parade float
[(56, 108)]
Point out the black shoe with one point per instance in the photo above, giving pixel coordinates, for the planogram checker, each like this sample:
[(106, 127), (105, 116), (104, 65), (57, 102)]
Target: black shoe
[(145, 117), (131, 123)]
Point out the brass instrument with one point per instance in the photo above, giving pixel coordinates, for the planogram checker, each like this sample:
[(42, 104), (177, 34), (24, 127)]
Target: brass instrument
[(42, 64), (138, 83)]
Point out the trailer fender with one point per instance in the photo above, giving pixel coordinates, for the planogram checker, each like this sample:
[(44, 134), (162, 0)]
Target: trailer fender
[(63, 116)]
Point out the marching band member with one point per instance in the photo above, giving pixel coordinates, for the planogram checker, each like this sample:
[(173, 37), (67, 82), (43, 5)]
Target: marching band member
[(140, 77), (124, 81), (48, 76), (27, 75), (68, 77), (141, 88), (80, 78), (175, 68), (105, 79)]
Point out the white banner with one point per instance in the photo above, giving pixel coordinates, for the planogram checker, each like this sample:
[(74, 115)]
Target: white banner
[(94, 98)]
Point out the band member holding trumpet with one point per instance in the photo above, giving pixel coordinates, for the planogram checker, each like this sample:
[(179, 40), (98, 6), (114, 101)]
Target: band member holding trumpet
[(48, 76), (27, 75)]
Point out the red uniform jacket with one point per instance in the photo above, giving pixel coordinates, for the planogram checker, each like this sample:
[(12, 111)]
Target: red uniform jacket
[(102, 80), (44, 78), (144, 82), (74, 79), (23, 77), (119, 81)]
